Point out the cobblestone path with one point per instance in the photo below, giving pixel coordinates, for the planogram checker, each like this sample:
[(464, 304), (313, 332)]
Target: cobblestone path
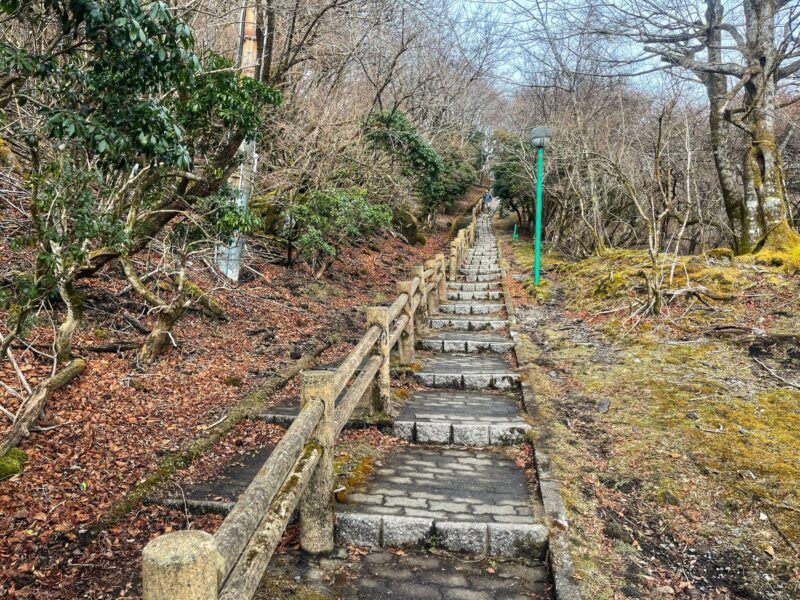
[(453, 489)]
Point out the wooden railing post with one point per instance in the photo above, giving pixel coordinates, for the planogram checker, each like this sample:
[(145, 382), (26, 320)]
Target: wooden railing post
[(443, 281), (453, 260), (316, 504), (184, 565), (432, 297), (421, 314), (406, 342), (382, 401)]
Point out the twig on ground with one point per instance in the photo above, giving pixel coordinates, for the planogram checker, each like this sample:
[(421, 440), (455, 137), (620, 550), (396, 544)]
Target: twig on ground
[(776, 376), (608, 312), (785, 538), (51, 427), (135, 323), (707, 430), (17, 370), (218, 421), (8, 413), (782, 505), (11, 391)]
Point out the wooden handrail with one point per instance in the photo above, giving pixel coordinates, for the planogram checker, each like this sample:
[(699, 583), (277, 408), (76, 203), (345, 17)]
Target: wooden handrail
[(235, 558), (397, 306), (357, 354), (237, 528), (356, 392)]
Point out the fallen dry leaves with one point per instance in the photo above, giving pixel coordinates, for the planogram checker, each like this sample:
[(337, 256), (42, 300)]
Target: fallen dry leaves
[(116, 423)]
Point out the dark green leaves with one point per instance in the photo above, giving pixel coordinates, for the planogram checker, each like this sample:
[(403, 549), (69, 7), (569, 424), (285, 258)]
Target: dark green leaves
[(329, 220), (439, 181), (220, 100)]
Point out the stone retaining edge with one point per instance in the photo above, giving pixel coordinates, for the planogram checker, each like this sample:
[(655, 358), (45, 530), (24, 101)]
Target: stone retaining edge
[(562, 568), (509, 540)]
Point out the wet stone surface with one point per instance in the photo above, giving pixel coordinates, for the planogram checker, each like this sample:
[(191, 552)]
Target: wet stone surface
[(471, 308), (219, 494), (468, 322), (461, 418), (461, 407)]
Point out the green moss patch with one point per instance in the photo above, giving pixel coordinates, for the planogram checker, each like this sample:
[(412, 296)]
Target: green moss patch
[(11, 463)]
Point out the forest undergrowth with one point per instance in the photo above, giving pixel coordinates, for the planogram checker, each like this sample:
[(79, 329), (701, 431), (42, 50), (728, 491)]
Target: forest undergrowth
[(66, 528)]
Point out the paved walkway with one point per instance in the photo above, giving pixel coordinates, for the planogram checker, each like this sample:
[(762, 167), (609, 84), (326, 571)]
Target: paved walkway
[(454, 492), (453, 489)]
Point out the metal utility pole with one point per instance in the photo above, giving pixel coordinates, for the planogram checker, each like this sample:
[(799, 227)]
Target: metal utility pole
[(540, 136), (229, 256)]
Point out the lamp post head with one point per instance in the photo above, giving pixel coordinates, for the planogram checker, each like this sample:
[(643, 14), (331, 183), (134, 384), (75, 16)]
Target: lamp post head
[(540, 137)]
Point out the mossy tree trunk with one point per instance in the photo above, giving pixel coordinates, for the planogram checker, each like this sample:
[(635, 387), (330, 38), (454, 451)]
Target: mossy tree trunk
[(160, 336), (71, 322), (721, 148), (749, 57), (168, 312), (757, 208), (33, 406)]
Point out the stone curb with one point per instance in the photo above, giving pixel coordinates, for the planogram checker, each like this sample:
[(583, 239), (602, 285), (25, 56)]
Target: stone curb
[(472, 381), (461, 434), (468, 346), (562, 567), (508, 540)]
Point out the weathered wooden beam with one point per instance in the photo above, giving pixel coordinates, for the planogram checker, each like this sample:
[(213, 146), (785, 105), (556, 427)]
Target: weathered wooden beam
[(247, 574), (360, 386), (442, 278), (379, 315), (406, 342), (357, 354), (236, 530), (317, 511)]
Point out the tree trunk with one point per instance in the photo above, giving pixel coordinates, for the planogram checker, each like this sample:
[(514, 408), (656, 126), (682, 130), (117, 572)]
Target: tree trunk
[(71, 322), (717, 90), (763, 177), (33, 406), (763, 172), (159, 337)]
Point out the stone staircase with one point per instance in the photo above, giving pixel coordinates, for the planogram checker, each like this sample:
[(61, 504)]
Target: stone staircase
[(452, 488)]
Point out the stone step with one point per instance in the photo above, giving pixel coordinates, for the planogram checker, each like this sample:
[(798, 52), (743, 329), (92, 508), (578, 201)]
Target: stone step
[(460, 418), (467, 372), (414, 574), (467, 342), (467, 322), (485, 295), (471, 287), (481, 271), (471, 308), (473, 501), (493, 278), (219, 493)]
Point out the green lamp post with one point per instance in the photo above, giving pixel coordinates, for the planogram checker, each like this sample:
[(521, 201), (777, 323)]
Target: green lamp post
[(540, 137)]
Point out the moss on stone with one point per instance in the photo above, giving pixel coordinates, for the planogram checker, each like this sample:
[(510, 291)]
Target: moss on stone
[(11, 463)]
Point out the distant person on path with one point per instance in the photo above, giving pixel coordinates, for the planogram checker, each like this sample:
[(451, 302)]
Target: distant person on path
[(487, 201)]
